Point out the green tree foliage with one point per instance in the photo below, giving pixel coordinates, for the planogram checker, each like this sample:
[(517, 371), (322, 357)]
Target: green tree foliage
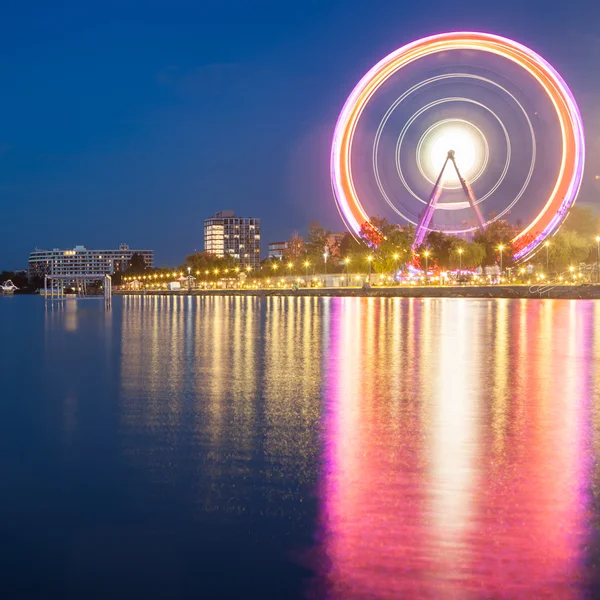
[(316, 241), (583, 221), (349, 247), (499, 233), (205, 261), (439, 245), (473, 254), (137, 264), (394, 252), (568, 248)]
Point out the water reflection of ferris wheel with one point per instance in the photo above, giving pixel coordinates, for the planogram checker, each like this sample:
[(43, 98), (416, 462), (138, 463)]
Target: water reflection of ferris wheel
[(453, 132)]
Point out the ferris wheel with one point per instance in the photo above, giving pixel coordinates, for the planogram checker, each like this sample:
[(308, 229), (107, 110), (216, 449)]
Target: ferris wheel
[(454, 132)]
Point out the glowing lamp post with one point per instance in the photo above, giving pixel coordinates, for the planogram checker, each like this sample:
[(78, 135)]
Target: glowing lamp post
[(396, 257), (500, 247), (460, 252), (547, 244), (306, 265), (189, 278), (347, 261), (598, 259), (370, 260), (426, 253)]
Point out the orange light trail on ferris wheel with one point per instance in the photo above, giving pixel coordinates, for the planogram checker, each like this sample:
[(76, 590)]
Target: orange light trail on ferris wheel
[(570, 173)]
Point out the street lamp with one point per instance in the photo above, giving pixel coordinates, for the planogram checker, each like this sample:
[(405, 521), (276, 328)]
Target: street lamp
[(598, 259), (370, 260), (306, 265), (426, 253), (325, 257), (189, 278), (547, 244), (460, 251), (396, 257), (347, 261), (500, 247)]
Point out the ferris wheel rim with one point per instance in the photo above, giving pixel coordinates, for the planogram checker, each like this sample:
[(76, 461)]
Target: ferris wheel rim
[(570, 173)]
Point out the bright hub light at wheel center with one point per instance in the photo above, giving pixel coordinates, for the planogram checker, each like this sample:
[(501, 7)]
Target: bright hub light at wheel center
[(470, 152)]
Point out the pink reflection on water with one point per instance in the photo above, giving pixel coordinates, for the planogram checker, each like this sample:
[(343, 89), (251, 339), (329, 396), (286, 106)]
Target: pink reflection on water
[(455, 439)]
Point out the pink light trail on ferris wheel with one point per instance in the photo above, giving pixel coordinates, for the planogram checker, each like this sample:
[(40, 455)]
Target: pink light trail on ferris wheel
[(570, 173)]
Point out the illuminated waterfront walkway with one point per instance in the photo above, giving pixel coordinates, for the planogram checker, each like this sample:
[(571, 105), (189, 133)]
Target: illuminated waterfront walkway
[(583, 291)]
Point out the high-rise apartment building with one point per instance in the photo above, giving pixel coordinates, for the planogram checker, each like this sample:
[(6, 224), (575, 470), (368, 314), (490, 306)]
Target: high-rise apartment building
[(83, 261), (238, 237)]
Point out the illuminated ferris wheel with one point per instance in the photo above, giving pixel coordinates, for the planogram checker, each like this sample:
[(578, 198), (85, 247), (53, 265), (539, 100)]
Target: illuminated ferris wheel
[(454, 132)]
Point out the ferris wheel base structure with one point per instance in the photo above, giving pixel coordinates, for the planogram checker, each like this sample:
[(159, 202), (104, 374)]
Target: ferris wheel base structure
[(552, 210), (423, 227)]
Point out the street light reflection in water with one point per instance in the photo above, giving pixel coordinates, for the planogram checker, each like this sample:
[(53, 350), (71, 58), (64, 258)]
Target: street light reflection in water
[(346, 448), (459, 443)]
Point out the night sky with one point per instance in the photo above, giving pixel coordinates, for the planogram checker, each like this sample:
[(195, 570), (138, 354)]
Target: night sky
[(134, 121)]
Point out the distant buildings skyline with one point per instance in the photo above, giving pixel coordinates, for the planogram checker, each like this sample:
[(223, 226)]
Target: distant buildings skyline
[(81, 260)]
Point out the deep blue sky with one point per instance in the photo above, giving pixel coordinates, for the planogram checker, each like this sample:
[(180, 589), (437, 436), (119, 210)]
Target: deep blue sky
[(133, 121)]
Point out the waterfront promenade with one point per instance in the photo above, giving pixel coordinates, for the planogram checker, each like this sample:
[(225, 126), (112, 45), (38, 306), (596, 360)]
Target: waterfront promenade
[(584, 291)]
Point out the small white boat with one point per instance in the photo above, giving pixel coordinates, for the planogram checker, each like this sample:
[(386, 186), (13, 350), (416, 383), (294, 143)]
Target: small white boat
[(8, 287)]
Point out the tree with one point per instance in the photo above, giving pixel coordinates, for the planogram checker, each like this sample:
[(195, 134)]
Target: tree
[(349, 246), (352, 249), (583, 221), (294, 250), (205, 261), (316, 241), (498, 234), (568, 248), (137, 264), (439, 245), (469, 255), (395, 250)]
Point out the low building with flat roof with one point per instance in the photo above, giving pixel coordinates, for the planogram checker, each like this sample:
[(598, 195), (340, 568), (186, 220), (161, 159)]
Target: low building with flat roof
[(84, 261), (277, 249)]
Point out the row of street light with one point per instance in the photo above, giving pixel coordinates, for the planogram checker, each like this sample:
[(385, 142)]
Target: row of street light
[(347, 260)]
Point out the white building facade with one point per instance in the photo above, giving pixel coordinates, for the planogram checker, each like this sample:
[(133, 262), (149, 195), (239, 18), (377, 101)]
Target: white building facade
[(238, 237), (277, 250), (83, 261)]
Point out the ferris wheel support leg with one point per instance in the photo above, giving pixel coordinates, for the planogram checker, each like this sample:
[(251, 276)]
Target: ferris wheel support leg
[(471, 198), (429, 210)]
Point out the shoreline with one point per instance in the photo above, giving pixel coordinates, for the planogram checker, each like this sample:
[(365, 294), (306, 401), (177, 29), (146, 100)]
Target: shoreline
[(583, 292)]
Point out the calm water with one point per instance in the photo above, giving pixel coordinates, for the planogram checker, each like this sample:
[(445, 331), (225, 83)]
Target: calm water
[(297, 447)]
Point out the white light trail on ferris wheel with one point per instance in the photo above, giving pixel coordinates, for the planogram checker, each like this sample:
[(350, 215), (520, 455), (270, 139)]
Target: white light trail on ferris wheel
[(570, 173), (424, 142), (435, 103), (506, 163)]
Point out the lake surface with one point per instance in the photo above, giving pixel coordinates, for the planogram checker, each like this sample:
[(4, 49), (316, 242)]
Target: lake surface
[(339, 448)]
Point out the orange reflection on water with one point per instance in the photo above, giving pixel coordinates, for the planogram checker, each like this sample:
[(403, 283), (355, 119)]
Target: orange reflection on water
[(455, 437)]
